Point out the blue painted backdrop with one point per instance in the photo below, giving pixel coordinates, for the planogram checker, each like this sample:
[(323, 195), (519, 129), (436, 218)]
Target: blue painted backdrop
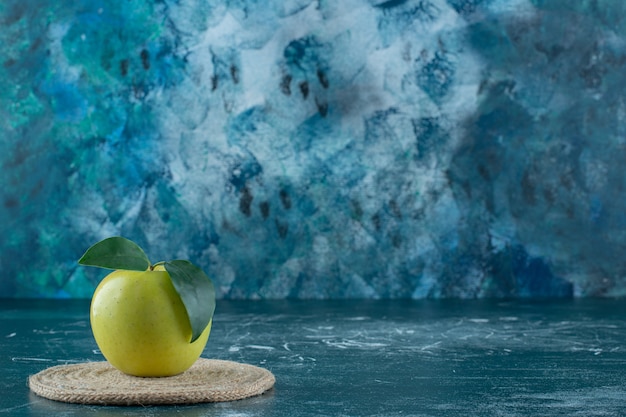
[(299, 148)]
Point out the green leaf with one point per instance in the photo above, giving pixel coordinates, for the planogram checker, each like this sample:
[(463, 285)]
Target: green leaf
[(116, 253), (197, 292)]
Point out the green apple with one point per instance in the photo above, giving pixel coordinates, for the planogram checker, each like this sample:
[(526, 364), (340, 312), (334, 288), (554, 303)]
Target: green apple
[(149, 322), (140, 324)]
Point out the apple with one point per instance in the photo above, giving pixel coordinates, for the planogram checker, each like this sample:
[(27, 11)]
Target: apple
[(140, 324), (153, 322)]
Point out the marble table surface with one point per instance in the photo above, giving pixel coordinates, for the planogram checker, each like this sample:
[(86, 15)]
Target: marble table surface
[(363, 358)]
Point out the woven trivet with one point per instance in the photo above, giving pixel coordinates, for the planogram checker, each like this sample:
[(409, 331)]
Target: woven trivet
[(208, 380)]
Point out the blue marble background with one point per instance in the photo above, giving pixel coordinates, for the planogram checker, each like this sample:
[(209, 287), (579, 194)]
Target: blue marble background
[(318, 149)]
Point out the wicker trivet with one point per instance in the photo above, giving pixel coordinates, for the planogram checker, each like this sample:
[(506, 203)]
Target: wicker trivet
[(208, 380)]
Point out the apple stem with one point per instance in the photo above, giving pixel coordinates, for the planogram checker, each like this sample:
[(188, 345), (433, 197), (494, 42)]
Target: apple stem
[(153, 266)]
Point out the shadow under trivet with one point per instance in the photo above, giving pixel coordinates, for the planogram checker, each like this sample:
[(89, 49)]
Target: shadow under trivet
[(208, 380)]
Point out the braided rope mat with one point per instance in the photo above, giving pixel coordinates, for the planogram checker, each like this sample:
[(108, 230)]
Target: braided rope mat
[(208, 380)]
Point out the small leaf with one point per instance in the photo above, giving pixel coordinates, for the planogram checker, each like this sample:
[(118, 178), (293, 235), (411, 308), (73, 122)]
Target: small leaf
[(197, 292), (116, 253)]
